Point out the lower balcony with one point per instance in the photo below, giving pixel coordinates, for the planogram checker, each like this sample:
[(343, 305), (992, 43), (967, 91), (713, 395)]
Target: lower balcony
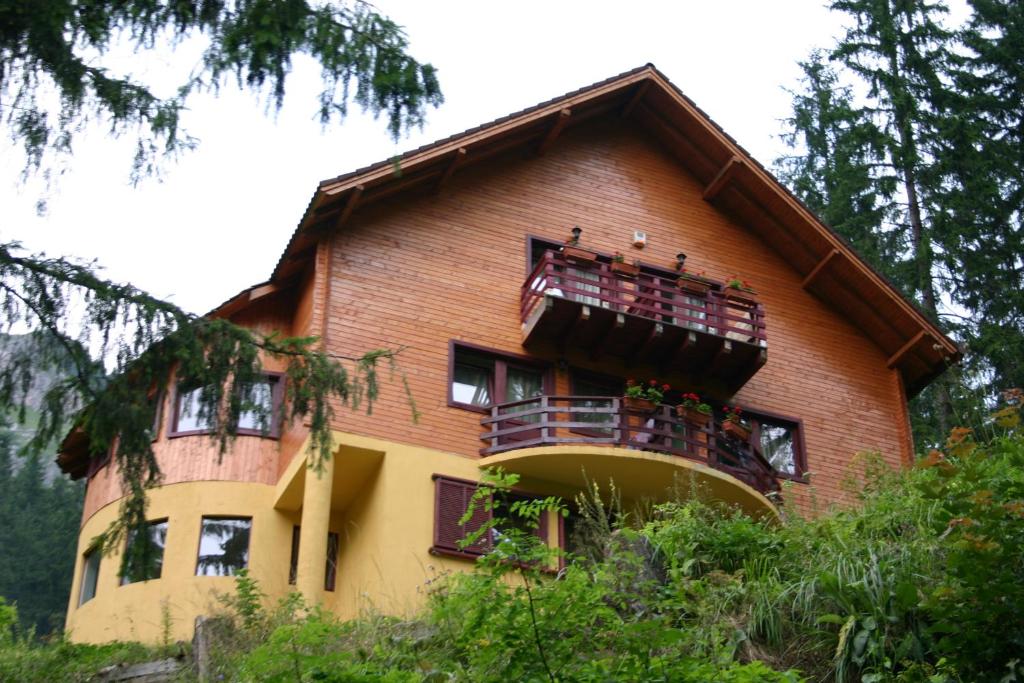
[(523, 427)]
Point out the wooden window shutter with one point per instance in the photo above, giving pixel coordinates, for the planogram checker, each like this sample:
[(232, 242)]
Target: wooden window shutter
[(451, 500)]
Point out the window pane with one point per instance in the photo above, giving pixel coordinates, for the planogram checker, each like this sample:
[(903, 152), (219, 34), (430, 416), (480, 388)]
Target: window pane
[(777, 446), (188, 412), (146, 560), (331, 572), (596, 386), (90, 573), (262, 395), (223, 546), (520, 384), (471, 384)]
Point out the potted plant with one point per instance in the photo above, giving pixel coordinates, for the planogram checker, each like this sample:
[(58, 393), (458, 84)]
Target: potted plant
[(733, 424), (643, 397), (574, 253), (693, 283), (620, 266), (694, 411), (738, 289)]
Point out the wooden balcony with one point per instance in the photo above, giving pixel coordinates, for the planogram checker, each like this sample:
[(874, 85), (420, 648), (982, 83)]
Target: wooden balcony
[(643, 319), (597, 420)]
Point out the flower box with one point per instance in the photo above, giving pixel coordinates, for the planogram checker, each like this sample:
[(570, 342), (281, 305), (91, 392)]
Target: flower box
[(579, 256), (693, 416), (625, 269), (634, 404), (693, 286), (736, 430), (740, 296)]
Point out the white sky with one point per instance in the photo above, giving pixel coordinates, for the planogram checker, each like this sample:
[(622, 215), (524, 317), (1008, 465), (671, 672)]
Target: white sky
[(222, 215)]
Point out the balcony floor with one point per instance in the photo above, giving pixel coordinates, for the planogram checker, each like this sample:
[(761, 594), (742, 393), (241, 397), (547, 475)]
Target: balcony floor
[(600, 331)]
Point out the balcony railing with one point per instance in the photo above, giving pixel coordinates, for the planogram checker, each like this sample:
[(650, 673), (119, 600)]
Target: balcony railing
[(644, 318), (600, 420)]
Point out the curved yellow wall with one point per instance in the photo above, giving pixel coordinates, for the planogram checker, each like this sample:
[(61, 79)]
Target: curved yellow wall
[(135, 611), (382, 507)]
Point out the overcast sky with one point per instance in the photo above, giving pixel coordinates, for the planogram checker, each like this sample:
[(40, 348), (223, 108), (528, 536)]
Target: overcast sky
[(222, 215)]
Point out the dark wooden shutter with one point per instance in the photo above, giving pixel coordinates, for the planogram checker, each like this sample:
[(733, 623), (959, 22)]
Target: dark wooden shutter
[(451, 500)]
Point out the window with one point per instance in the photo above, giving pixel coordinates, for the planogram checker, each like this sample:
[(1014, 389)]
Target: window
[(262, 396), (90, 574), (188, 418), (587, 384), (451, 501), (330, 571), (479, 378), (781, 443), (223, 546), (145, 557)]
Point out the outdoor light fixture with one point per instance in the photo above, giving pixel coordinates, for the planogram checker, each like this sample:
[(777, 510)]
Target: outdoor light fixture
[(639, 239), (576, 230), (680, 260)]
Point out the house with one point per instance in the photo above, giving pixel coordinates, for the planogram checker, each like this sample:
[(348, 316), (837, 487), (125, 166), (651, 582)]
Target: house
[(517, 350)]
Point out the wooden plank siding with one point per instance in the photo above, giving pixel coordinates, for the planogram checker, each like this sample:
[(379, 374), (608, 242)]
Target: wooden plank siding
[(417, 270), (423, 270)]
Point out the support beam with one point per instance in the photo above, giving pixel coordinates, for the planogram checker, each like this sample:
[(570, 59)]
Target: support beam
[(617, 323), (638, 95), (353, 201), (679, 359), (722, 179), (554, 131), (816, 271), (722, 356), (645, 346), (895, 358), (453, 165), (315, 525)]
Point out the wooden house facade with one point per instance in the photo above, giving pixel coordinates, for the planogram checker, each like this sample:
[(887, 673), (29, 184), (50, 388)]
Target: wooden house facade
[(517, 349)]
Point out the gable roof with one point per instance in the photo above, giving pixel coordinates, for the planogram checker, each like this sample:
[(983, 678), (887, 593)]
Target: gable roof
[(734, 182)]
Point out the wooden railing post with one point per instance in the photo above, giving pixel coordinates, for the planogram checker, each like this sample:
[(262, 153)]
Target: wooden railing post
[(494, 425), (544, 418)]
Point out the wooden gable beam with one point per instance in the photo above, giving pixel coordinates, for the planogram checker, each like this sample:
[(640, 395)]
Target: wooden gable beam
[(353, 201), (722, 179), (554, 131), (816, 271), (895, 358), (453, 165), (638, 95)]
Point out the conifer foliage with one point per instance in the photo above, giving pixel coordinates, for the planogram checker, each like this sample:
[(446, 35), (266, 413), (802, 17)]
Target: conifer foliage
[(121, 349), (52, 79), (907, 141)]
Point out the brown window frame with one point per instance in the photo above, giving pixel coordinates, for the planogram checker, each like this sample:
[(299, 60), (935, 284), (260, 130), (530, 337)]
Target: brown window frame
[(754, 417), (331, 566), (276, 380), (441, 544), (498, 382), (576, 374)]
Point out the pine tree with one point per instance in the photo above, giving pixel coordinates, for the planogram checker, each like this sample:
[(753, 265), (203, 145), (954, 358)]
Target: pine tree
[(52, 79), (835, 172)]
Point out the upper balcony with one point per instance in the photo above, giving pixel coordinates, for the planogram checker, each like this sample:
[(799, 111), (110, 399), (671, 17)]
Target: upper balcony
[(644, 317), (549, 420)]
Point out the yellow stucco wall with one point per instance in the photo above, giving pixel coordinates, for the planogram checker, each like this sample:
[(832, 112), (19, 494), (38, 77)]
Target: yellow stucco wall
[(383, 512)]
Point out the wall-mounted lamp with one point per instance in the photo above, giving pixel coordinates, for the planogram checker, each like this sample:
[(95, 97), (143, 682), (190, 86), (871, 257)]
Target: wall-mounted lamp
[(639, 239), (576, 230), (680, 260)]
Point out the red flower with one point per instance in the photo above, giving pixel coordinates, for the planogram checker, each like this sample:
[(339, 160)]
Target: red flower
[(630, 382), (653, 382), (665, 387)]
